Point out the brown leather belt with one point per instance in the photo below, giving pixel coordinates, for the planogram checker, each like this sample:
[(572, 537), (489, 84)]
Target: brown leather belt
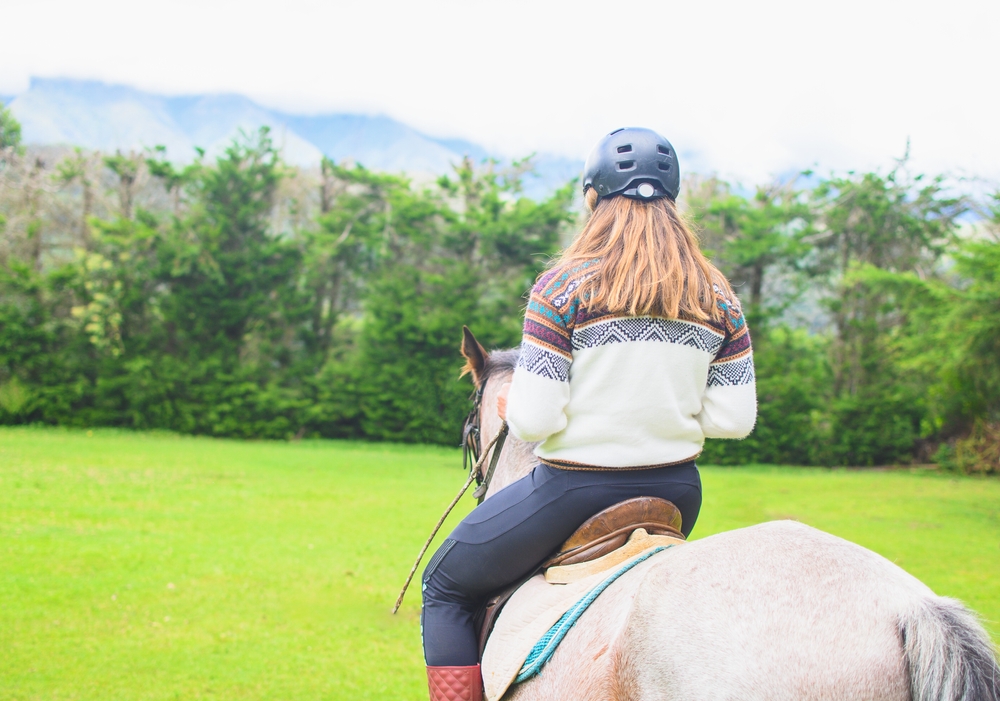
[(579, 466)]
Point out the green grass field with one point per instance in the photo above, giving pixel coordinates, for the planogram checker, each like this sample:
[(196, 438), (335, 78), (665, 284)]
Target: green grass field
[(152, 566)]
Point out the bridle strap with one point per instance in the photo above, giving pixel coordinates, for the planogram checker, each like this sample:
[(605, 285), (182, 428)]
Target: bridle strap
[(471, 436), (484, 486)]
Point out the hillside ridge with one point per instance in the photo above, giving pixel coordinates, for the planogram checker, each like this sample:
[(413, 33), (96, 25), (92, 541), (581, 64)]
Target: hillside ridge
[(109, 117)]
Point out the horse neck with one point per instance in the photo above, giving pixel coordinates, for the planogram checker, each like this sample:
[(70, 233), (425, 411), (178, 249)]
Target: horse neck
[(518, 457)]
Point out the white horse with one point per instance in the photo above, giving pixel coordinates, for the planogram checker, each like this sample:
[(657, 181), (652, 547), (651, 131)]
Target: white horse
[(774, 611)]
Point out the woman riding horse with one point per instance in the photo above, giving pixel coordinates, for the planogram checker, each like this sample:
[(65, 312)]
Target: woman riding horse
[(635, 350)]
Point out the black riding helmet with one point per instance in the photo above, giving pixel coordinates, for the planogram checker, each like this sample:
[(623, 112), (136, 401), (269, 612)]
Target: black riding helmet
[(637, 163)]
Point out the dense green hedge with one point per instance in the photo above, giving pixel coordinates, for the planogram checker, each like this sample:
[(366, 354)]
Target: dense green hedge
[(206, 319), (244, 298)]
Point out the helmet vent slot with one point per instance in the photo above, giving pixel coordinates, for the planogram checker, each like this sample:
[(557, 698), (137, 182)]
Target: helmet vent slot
[(660, 148), (626, 165), (625, 149), (663, 166)]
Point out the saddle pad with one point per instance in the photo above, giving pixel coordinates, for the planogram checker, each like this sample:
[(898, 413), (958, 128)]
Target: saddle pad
[(528, 615), (639, 542)]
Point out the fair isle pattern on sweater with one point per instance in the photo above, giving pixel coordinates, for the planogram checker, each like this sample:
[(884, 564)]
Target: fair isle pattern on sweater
[(557, 323), (544, 363), (644, 328), (733, 364), (552, 310), (734, 372), (614, 391)]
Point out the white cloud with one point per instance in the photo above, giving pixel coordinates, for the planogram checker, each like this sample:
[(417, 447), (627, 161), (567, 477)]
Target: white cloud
[(746, 89)]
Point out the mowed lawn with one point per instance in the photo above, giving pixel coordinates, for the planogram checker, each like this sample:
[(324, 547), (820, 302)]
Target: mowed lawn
[(152, 566)]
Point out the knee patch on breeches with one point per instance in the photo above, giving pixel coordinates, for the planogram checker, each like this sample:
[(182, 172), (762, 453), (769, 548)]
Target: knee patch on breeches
[(432, 566)]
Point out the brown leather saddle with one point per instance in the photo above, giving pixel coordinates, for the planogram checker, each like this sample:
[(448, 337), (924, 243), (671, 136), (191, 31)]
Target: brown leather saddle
[(599, 535)]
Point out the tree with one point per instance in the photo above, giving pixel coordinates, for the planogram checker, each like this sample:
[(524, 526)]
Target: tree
[(129, 171), (447, 268), (226, 269), (10, 134), (78, 168), (888, 223), (174, 179), (356, 231), (754, 241), (891, 223)]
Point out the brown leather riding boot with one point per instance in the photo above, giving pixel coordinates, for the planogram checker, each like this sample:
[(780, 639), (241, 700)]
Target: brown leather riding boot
[(455, 683)]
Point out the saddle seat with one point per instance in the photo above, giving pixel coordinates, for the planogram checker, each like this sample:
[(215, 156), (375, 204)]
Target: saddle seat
[(613, 536), (606, 539)]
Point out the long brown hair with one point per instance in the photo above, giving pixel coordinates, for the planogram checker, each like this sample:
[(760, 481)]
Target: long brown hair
[(649, 261)]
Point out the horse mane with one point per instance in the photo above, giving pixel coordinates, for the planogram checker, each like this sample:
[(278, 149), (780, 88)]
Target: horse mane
[(500, 362)]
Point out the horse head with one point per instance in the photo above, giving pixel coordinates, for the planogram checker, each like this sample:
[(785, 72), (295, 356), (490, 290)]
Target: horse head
[(489, 372)]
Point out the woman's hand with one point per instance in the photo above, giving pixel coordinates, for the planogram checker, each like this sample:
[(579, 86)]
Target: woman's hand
[(502, 400)]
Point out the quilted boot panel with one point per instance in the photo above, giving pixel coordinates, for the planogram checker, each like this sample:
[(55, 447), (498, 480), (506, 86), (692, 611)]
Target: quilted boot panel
[(455, 683)]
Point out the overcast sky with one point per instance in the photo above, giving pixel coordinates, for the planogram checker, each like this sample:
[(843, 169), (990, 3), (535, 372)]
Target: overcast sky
[(746, 89)]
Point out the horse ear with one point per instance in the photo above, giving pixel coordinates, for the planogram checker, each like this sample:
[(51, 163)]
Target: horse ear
[(475, 356)]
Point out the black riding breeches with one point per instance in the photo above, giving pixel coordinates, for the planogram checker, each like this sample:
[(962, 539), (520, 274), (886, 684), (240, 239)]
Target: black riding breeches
[(513, 531)]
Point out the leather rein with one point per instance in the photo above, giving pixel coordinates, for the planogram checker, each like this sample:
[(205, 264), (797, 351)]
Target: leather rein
[(472, 452)]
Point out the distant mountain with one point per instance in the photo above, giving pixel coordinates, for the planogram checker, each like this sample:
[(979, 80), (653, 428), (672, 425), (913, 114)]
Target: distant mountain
[(108, 117)]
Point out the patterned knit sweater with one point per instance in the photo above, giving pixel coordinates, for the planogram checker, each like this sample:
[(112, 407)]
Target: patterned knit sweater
[(608, 390)]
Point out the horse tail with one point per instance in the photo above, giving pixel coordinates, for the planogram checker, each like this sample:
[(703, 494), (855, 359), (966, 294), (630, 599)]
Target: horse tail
[(949, 654)]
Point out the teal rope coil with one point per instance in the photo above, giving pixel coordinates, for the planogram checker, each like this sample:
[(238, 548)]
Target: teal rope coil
[(547, 644)]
